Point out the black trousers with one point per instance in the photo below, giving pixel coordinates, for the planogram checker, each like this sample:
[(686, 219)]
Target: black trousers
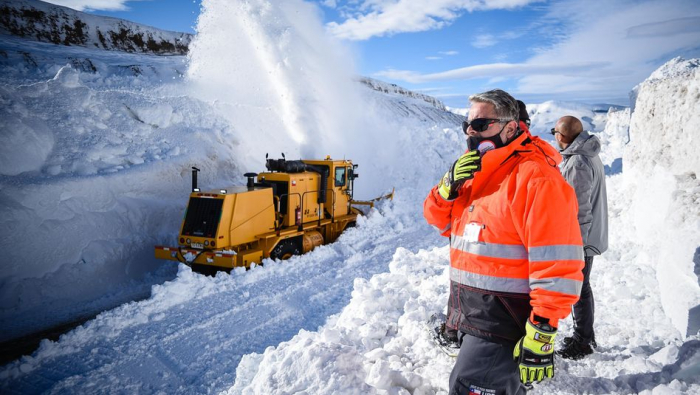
[(584, 309), (484, 367)]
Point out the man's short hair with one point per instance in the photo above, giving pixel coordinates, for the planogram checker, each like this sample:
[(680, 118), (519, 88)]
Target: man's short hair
[(523, 115), (505, 105)]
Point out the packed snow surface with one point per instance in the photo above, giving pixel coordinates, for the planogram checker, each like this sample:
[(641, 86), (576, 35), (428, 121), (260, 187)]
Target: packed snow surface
[(95, 153)]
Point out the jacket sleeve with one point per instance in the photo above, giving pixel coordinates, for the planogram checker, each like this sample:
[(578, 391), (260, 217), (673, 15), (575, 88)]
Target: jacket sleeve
[(438, 212), (580, 176), (551, 234)]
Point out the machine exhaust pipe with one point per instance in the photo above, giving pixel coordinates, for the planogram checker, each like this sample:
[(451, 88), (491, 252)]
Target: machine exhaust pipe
[(194, 179)]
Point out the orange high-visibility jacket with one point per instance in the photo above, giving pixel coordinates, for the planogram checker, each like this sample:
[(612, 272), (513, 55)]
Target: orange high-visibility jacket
[(515, 242)]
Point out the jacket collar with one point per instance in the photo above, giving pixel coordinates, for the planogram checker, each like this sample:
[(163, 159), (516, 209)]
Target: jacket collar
[(525, 145)]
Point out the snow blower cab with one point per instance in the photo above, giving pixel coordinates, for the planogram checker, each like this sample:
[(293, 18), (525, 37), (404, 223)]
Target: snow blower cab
[(292, 208)]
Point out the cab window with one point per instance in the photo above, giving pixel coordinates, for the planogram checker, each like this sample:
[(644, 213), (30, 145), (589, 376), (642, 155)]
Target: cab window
[(340, 176)]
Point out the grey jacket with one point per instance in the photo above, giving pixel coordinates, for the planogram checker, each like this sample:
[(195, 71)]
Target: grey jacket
[(583, 169)]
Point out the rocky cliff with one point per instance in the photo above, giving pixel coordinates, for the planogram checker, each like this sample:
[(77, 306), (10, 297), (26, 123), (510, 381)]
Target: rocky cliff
[(40, 21)]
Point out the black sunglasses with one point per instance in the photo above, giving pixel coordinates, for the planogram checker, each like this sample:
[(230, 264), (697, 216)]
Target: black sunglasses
[(479, 124), (554, 132)]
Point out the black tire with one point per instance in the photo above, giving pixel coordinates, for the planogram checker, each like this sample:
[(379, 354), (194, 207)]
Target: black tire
[(285, 249)]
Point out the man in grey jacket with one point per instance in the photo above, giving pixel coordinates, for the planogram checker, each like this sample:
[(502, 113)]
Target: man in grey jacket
[(584, 170)]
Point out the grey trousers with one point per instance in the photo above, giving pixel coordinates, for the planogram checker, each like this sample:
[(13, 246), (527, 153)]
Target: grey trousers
[(584, 309), (484, 367)]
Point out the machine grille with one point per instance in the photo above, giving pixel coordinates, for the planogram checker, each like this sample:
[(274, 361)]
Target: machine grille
[(202, 218)]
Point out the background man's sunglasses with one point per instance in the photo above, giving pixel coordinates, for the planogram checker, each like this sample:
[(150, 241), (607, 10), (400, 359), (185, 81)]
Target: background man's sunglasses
[(554, 132), (479, 124)]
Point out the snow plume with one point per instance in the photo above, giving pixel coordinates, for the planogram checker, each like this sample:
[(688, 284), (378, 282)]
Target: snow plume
[(271, 67), (284, 85), (662, 158)]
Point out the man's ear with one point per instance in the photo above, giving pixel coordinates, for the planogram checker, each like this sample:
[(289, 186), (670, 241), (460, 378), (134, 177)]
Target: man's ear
[(561, 138), (511, 128)]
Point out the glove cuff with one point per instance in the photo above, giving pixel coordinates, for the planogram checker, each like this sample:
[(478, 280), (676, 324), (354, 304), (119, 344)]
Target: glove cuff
[(444, 187), (538, 320)]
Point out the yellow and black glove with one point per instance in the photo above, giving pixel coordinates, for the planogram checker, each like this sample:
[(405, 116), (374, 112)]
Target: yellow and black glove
[(535, 352), (462, 170)]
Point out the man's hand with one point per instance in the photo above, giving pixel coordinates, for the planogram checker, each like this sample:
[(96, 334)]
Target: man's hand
[(462, 170), (535, 352)]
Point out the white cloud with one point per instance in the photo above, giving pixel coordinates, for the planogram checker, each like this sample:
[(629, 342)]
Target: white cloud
[(370, 18), (665, 28), (495, 70), (329, 3), (484, 40), (511, 35), (433, 57), (634, 38), (103, 5), (449, 53)]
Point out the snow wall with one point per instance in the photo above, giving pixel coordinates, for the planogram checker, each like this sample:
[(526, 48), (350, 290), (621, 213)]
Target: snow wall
[(661, 166)]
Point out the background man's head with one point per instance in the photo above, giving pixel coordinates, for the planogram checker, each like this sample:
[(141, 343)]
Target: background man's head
[(566, 130), (524, 116), (498, 105)]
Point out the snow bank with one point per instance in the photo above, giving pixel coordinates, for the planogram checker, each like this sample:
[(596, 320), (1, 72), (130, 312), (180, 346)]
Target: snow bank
[(661, 167), (613, 139), (545, 115), (378, 343)]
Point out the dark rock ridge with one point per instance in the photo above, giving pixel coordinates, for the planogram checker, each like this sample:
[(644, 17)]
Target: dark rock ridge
[(40, 21)]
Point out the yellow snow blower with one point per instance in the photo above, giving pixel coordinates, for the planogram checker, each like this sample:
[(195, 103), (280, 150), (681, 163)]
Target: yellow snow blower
[(292, 208)]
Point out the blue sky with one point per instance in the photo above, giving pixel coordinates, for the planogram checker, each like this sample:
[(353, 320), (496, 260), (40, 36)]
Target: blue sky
[(591, 51)]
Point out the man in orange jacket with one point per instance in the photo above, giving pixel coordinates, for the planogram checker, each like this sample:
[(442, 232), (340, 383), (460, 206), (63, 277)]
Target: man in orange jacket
[(446, 334), (515, 250)]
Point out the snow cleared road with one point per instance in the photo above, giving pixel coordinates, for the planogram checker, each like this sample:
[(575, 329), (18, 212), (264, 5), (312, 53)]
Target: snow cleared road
[(191, 334)]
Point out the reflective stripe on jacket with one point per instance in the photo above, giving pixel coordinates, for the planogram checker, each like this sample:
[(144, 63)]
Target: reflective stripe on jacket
[(515, 242)]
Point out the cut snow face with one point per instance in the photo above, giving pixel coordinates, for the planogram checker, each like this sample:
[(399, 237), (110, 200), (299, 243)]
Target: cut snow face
[(662, 168)]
